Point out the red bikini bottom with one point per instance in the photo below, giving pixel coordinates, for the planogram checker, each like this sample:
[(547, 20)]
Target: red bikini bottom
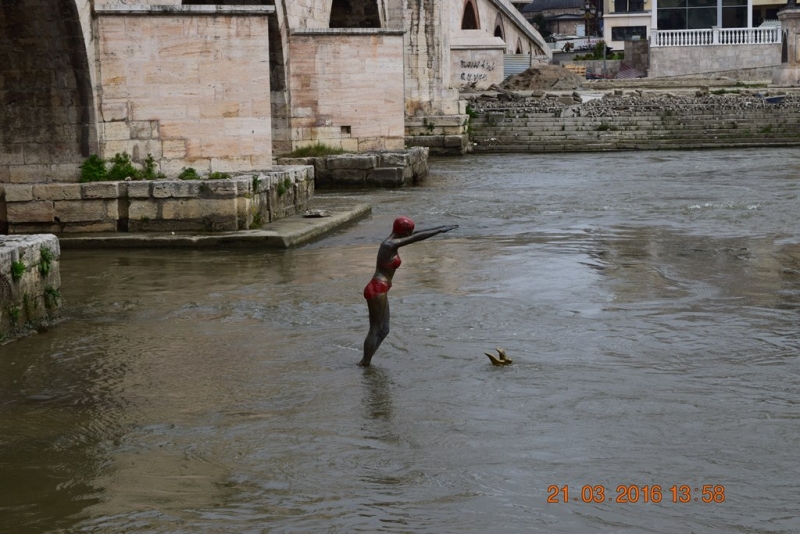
[(376, 287)]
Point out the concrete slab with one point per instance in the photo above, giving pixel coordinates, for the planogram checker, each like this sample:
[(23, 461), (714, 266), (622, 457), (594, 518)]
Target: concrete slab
[(283, 233)]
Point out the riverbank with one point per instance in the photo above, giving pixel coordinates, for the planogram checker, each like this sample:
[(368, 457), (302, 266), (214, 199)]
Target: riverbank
[(329, 214)]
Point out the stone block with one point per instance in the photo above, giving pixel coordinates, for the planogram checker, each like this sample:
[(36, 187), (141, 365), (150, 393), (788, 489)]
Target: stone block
[(29, 174), (199, 208), (88, 227), (141, 130), (173, 148), (394, 159), (163, 189), (352, 161), (115, 111), (138, 189), (33, 228), (29, 212), (385, 177), (18, 193), (455, 141), (116, 131), (79, 210), (349, 177), (140, 210), (57, 192), (100, 190), (219, 188)]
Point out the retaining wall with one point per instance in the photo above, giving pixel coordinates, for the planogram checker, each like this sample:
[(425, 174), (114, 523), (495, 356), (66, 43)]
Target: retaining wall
[(636, 122), (29, 282), (236, 203), (361, 171)]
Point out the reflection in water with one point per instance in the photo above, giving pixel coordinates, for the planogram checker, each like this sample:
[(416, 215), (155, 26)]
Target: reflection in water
[(652, 318)]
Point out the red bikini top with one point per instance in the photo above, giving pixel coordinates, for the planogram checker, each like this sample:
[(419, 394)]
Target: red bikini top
[(394, 264)]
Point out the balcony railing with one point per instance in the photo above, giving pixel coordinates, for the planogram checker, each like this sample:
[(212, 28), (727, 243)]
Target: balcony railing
[(716, 36)]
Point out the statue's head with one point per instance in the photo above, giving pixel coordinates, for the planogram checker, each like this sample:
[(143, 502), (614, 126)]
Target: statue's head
[(403, 226)]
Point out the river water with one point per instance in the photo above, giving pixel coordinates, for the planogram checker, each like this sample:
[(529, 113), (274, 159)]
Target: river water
[(649, 300)]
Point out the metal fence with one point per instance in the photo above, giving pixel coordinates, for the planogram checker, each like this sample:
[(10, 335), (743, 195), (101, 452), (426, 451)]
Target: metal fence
[(516, 63)]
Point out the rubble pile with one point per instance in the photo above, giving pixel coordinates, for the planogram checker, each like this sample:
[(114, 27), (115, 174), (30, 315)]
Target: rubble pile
[(552, 77), (617, 104)]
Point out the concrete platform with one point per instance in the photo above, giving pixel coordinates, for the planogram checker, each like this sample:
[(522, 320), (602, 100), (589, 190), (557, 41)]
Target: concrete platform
[(284, 233)]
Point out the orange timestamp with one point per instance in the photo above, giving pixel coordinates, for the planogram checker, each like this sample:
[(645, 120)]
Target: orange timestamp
[(631, 493)]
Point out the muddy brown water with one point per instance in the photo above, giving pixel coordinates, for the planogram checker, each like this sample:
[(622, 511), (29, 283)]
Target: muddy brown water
[(650, 302)]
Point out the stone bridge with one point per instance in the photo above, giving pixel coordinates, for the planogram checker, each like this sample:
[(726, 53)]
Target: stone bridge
[(216, 87)]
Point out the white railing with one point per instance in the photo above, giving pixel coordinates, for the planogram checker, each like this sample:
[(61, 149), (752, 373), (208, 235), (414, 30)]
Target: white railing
[(715, 36)]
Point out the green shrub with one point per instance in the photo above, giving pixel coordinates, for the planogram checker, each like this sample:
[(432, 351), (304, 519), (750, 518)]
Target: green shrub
[(51, 297), (17, 270), (46, 258), (14, 313), (122, 167), (316, 150), (149, 172), (219, 176), (93, 169), (188, 173)]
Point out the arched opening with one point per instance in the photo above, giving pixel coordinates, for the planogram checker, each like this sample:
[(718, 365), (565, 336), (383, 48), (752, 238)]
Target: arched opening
[(519, 47), (354, 14), (47, 100), (470, 19), (498, 28)]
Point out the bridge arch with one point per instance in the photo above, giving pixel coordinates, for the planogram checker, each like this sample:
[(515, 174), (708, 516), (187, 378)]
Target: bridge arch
[(48, 125)]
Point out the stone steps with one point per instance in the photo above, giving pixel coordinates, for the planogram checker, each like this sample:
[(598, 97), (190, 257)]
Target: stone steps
[(495, 132)]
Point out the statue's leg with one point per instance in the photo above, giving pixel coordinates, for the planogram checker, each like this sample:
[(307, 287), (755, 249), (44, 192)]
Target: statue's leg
[(378, 326)]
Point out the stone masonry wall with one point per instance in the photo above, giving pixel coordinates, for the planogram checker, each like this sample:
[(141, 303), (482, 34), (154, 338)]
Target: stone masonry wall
[(190, 88), (682, 60), (29, 281), (637, 121), (231, 204), (346, 88), (360, 171)]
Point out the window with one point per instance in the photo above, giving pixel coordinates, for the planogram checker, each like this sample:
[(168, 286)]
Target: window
[(470, 19), (687, 14), (629, 6), (354, 14), (625, 33)]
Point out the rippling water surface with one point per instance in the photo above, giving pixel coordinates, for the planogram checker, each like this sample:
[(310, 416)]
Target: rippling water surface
[(650, 302)]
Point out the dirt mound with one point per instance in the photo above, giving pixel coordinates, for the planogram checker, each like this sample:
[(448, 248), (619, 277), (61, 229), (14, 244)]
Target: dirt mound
[(542, 77)]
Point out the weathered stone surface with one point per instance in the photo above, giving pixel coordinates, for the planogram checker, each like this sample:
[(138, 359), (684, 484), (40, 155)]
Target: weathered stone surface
[(30, 212), (32, 297), (142, 209), (352, 161), (139, 189), (18, 193), (80, 210), (394, 159), (57, 192), (385, 177), (97, 190), (198, 208), (89, 227), (349, 177)]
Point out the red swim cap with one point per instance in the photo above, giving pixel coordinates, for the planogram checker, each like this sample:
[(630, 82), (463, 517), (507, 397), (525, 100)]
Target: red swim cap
[(403, 226)]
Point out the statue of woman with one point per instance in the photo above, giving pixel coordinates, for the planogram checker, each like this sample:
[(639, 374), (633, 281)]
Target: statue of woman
[(376, 291)]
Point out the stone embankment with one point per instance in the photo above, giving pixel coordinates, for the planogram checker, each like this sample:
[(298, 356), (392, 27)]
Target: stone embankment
[(634, 120), (237, 203), (366, 170), (29, 282)]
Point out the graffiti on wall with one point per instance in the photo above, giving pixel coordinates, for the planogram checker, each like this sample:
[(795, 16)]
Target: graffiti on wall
[(475, 70)]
